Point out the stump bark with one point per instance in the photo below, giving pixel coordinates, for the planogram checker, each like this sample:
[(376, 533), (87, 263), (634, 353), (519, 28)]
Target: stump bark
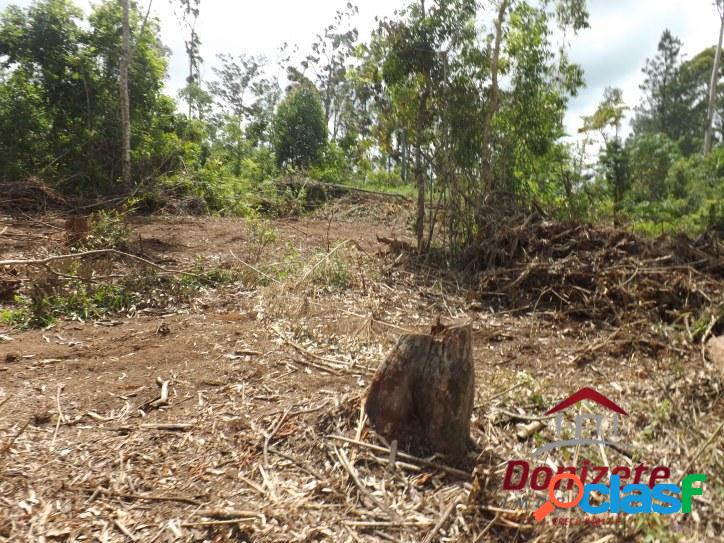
[(422, 395)]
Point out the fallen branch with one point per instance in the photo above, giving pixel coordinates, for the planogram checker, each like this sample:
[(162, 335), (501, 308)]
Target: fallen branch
[(44, 262), (405, 456)]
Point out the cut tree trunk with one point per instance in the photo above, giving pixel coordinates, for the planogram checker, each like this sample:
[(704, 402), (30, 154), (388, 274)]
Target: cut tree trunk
[(422, 395)]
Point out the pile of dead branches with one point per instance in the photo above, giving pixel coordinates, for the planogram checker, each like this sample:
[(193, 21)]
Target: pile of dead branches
[(599, 274), (30, 194)]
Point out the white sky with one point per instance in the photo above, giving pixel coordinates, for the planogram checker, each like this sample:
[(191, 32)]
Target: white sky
[(612, 52)]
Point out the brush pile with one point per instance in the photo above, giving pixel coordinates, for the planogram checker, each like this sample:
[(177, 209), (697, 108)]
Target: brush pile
[(598, 274), (30, 194)]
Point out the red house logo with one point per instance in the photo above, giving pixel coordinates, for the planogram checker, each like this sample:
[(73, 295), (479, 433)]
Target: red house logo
[(583, 420)]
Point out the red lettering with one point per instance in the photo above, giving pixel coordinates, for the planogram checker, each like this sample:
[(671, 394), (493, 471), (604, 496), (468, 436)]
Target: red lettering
[(620, 471), (508, 483), (600, 472), (568, 482), (659, 473), (584, 471), (639, 471), (534, 484)]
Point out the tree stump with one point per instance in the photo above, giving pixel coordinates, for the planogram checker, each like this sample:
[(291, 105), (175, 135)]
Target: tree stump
[(422, 395)]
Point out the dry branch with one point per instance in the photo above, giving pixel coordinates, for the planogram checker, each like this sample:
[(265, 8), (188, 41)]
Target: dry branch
[(404, 456), (320, 262), (45, 262)]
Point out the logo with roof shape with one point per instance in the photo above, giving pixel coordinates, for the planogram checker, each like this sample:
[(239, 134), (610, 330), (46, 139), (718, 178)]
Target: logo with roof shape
[(583, 421)]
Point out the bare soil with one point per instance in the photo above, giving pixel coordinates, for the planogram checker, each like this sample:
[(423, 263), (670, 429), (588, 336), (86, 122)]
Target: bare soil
[(264, 379)]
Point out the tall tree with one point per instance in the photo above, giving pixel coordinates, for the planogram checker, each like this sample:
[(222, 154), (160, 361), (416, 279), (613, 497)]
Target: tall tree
[(239, 87), (328, 63), (60, 92), (197, 100), (491, 110), (713, 85), (663, 108), (124, 99)]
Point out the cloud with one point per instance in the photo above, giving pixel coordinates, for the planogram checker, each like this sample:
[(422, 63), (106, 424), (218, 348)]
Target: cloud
[(623, 35), (612, 52)]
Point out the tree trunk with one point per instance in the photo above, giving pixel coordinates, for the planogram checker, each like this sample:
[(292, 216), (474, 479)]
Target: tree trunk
[(125, 103), (419, 173), (404, 149), (422, 395), (713, 84), (486, 151)]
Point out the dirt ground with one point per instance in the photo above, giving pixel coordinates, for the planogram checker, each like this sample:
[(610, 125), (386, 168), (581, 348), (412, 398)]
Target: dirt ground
[(261, 436)]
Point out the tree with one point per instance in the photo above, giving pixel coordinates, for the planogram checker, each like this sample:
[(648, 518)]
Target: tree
[(239, 89), (713, 85), (664, 108), (197, 99), (299, 131), (124, 101), (328, 62), (609, 114), (615, 162), (59, 96), (472, 137)]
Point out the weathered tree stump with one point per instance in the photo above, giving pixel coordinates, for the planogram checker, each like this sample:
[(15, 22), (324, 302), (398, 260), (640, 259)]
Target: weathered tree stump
[(422, 395)]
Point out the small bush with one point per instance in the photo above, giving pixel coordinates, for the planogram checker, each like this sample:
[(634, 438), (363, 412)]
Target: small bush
[(107, 230), (333, 273)]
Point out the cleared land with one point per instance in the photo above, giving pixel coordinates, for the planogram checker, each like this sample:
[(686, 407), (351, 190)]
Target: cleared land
[(234, 415)]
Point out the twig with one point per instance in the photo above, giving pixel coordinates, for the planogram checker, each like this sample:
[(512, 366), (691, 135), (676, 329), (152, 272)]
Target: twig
[(479, 537), (173, 427), (144, 497), (270, 434), (60, 417), (344, 461), (218, 522), (709, 441), (405, 456), (496, 396), (320, 262), (253, 268), (440, 523), (125, 531), (6, 448), (45, 261), (228, 514), (333, 365)]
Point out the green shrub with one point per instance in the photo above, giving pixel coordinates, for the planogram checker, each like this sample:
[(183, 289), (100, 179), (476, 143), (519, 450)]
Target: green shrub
[(106, 230)]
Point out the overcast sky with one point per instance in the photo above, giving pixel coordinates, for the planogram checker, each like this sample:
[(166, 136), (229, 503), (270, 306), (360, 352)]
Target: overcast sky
[(612, 52)]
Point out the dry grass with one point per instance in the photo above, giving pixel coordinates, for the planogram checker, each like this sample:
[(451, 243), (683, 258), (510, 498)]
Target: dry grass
[(238, 417)]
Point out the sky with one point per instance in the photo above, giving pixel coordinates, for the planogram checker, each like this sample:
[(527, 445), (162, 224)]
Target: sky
[(612, 52)]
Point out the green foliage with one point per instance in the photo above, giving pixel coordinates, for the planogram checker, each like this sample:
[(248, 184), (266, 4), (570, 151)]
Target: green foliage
[(298, 130), (107, 230), (333, 166), (333, 273), (676, 95), (615, 163), (59, 114), (52, 298)]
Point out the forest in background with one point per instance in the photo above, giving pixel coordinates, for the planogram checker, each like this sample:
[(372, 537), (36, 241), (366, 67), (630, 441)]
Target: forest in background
[(437, 105)]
